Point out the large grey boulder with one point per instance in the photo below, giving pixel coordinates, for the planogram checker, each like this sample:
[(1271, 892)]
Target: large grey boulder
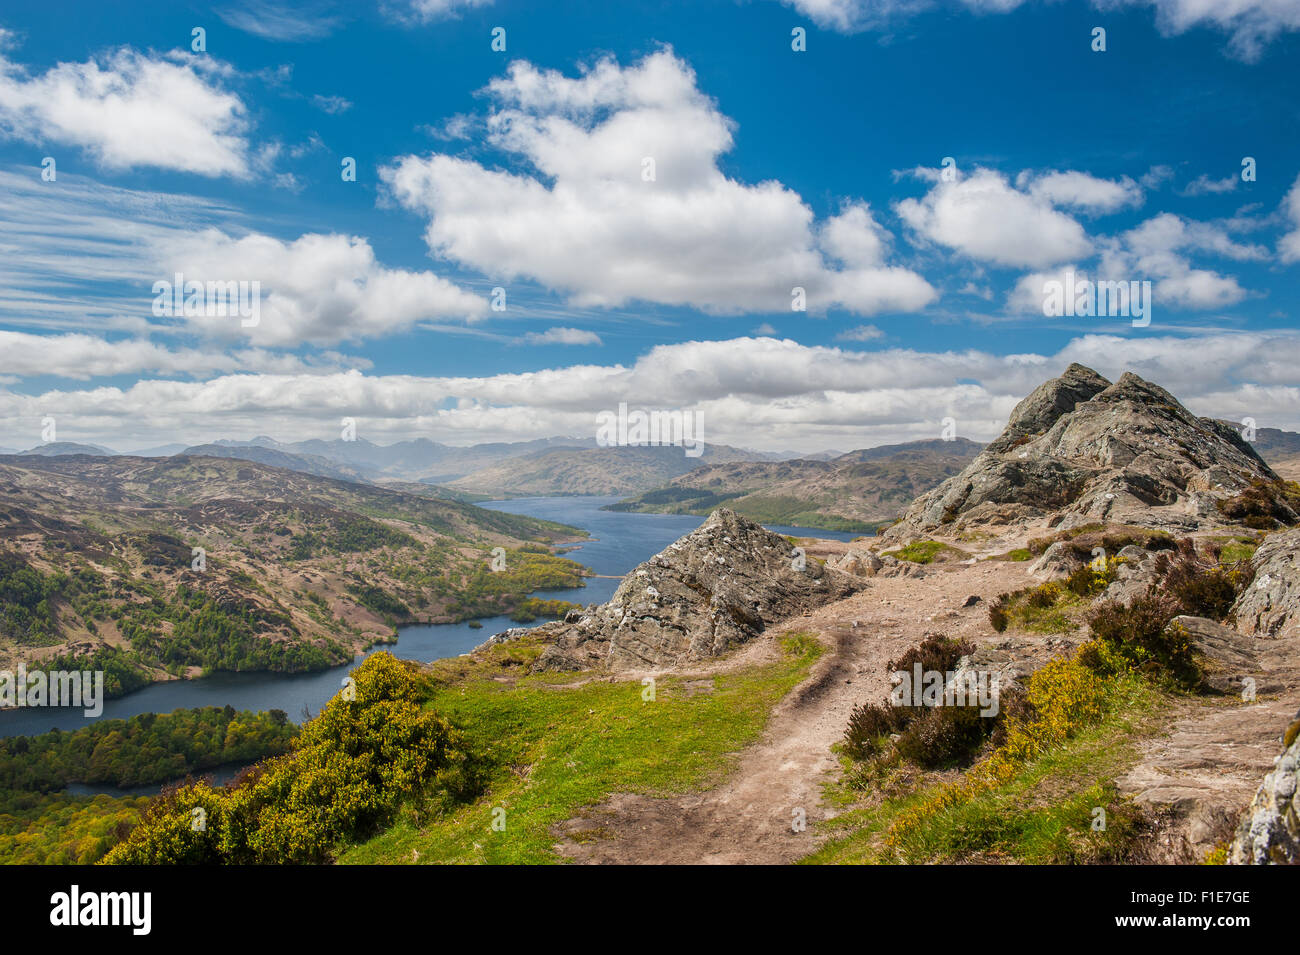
[(703, 595), (1271, 601), (1270, 831), (1227, 657), (1081, 450)]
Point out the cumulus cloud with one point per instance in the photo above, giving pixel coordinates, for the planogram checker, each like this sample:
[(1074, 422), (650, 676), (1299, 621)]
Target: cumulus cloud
[(1155, 249), (625, 201), (1081, 191), (131, 110), (984, 217), (320, 289)]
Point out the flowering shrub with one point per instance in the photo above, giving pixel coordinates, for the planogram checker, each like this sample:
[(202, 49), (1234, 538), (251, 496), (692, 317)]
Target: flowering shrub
[(350, 771)]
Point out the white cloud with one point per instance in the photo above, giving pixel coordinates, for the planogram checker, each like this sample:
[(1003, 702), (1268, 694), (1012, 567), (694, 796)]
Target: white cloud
[(131, 110), (331, 104), (1167, 232), (1250, 24), (562, 336), (862, 333), (320, 289), (588, 224), (984, 217), (1079, 190), (1153, 250), (1027, 295), (280, 21), (1203, 185), (1156, 176), (1288, 247), (424, 11), (756, 392), (82, 357)]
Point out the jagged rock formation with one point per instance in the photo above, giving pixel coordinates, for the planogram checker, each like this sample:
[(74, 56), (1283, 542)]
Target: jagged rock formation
[(703, 595), (1081, 449), (1273, 598), (1270, 831)]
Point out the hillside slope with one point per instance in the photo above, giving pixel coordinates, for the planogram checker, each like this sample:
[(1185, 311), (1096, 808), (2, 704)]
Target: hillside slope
[(100, 559)]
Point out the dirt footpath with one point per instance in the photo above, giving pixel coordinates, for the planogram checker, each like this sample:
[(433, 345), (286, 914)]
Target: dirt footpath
[(749, 816)]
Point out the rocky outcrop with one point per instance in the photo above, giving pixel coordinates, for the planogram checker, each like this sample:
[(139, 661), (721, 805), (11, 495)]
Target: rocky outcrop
[(1228, 658), (1080, 449), (1270, 831), (1272, 600), (705, 594)]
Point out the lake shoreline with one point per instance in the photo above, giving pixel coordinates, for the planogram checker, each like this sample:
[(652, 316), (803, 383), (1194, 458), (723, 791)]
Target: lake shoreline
[(616, 542)]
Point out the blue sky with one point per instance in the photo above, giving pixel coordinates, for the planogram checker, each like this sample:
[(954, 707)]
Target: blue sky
[(526, 170)]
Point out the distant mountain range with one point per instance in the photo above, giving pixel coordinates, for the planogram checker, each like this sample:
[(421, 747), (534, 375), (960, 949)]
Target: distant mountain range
[(813, 484), (854, 491), (420, 460)]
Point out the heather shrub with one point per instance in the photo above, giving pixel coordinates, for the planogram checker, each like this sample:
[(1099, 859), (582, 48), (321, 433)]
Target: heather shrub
[(1134, 636), (870, 725), (929, 736), (1262, 506), (1202, 589), (943, 735), (935, 652)]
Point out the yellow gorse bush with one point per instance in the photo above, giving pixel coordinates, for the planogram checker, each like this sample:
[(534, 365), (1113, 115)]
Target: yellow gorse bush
[(350, 770)]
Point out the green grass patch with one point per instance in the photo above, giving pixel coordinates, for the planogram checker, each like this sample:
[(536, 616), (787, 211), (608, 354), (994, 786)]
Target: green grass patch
[(1236, 550), (558, 743), (924, 552)]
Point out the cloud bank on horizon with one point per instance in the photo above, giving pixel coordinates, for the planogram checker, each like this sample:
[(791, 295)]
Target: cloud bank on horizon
[(836, 241)]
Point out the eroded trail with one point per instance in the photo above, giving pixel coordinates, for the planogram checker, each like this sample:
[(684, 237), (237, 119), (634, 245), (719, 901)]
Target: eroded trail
[(749, 816)]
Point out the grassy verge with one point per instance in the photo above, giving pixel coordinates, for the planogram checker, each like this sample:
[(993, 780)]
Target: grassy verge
[(558, 743), (1039, 810)]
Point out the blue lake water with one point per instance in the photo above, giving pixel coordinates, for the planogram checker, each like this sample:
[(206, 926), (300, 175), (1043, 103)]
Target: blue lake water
[(619, 542)]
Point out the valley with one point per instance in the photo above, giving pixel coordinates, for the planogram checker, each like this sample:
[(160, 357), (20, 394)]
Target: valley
[(700, 705)]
